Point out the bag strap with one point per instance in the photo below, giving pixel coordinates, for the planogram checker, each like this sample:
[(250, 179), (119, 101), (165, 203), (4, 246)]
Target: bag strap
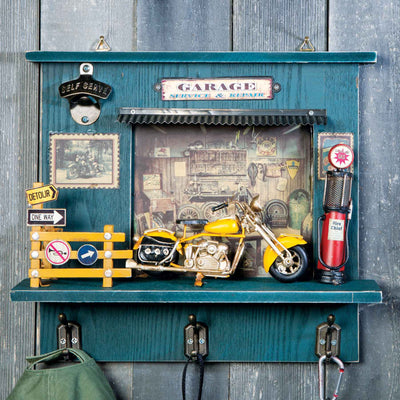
[(200, 361), (34, 360)]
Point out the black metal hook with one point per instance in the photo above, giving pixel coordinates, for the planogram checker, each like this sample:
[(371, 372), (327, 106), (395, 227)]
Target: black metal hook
[(68, 334), (196, 338), (327, 341)]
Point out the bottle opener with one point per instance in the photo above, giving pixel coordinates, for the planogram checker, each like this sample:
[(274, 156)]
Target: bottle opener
[(84, 94)]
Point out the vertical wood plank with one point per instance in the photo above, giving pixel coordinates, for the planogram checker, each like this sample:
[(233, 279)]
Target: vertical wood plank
[(18, 162), (76, 25), (120, 376), (183, 25), (278, 25), (273, 381), (376, 26), (163, 381)]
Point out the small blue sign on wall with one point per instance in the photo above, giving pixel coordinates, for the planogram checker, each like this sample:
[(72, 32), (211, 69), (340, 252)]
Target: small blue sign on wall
[(87, 254)]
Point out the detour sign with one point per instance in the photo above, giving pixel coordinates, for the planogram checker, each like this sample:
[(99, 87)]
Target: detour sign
[(41, 194)]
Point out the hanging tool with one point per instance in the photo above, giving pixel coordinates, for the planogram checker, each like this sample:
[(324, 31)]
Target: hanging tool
[(327, 348), (196, 349), (252, 171)]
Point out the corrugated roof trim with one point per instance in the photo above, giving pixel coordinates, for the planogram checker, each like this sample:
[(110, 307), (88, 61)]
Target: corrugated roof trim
[(146, 116)]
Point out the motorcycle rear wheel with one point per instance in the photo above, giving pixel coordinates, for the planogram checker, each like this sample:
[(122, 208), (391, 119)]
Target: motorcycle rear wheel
[(294, 273)]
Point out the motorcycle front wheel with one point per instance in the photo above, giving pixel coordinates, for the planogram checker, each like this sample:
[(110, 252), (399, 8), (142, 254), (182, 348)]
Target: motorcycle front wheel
[(296, 271), (73, 172)]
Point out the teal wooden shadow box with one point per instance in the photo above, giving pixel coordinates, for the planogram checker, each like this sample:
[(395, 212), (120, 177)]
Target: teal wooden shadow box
[(168, 152)]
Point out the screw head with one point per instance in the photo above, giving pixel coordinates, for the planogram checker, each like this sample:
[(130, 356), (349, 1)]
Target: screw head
[(108, 273), (107, 236), (322, 341), (190, 341), (86, 68), (108, 254), (311, 112), (85, 119), (63, 341), (202, 341), (35, 273), (35, 236), (35, 254), (277, 87), (74, 340)]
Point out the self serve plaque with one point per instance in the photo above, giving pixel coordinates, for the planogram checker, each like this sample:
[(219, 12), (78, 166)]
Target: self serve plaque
[(219, 89)]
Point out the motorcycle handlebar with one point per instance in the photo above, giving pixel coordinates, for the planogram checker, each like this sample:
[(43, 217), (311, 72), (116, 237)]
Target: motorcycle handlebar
[(219, 207)]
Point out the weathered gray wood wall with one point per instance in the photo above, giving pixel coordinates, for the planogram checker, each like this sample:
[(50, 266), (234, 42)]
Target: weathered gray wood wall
[(375, 25), (245, 25), (19, 30)]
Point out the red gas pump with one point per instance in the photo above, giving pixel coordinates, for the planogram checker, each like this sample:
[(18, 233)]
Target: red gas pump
[(333, 251)]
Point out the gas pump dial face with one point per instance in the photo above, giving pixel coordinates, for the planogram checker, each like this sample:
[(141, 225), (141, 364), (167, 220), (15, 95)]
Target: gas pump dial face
[(341, 156)]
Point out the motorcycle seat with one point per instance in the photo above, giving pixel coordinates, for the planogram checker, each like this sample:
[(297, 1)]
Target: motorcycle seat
[(192, 221)]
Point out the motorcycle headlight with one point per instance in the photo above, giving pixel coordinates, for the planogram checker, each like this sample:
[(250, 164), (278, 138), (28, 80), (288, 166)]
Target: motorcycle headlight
[(136, 238)]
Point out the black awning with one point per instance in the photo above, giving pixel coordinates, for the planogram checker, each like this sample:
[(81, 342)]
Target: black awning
[(132, 115)]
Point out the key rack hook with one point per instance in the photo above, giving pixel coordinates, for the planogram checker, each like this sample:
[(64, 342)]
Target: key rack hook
[(195, 338), (328, 335), (68, 333), (327, 348)]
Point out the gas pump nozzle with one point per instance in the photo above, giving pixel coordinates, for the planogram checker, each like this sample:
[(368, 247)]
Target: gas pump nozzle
[(350, 212)]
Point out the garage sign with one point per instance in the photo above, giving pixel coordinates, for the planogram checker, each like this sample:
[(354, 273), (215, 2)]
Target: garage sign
[(241, 88)]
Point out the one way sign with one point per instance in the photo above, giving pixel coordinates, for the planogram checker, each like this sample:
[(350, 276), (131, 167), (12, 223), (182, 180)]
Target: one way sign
[(47, 216)]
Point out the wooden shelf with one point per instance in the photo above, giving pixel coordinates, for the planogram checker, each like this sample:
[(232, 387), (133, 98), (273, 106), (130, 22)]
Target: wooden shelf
[(256, 290), (204, 57), (253, 320)]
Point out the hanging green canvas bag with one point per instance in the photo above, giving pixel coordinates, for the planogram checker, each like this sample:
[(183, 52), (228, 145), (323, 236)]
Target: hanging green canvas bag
[(81, 380)]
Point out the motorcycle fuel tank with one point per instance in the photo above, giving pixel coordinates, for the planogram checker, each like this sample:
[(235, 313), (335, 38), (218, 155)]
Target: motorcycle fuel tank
[(223, 226)]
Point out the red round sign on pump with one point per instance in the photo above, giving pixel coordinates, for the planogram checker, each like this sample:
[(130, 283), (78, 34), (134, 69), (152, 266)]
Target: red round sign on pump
[(341, 156)]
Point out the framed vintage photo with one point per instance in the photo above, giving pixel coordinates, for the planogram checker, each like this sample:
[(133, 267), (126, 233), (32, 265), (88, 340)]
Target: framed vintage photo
[(84, 160), (326, 140)]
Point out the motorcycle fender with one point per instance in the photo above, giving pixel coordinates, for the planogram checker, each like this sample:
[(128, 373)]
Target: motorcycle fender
[(287, 241)]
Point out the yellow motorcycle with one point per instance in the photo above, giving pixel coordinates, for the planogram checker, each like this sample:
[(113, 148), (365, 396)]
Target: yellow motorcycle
[(210, 253)]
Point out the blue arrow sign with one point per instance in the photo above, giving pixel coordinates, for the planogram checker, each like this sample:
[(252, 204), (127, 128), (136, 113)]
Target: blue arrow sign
[(87, 254)]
